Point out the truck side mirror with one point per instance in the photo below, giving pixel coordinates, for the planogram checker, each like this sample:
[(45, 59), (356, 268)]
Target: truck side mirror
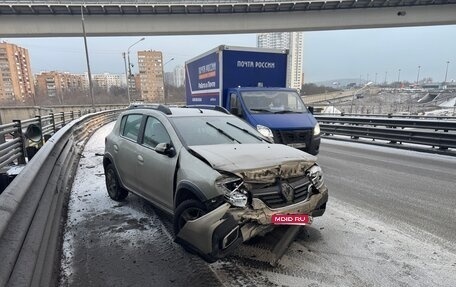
[(311, 110), (235, 111)]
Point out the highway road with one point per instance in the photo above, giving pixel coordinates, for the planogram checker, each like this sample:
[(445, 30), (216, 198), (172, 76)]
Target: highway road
[(404, 187), (389, 222)]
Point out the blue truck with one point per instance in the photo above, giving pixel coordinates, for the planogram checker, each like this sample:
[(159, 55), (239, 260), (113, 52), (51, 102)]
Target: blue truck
[(251, 84)]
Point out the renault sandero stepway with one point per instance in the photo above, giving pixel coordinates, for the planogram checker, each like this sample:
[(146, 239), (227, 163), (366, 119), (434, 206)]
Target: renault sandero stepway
[(219, 178)]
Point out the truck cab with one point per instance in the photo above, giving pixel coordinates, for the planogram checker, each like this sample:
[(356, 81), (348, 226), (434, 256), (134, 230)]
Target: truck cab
[(279, 114)]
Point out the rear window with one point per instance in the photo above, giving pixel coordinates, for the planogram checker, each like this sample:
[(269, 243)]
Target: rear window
[(130, 126)]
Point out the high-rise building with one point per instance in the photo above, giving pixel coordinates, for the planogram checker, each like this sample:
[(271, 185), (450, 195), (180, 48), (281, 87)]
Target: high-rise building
[(150, 64), (179, 76), (16, 82), (293, 41)]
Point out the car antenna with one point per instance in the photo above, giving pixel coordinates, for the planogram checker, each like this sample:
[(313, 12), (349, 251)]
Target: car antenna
[(201, 111)]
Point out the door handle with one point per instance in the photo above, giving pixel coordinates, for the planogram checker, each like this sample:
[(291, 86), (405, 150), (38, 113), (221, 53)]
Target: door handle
[(116, 148), (140, 159)]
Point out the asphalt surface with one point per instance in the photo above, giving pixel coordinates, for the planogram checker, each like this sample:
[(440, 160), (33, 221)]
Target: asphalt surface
[(389, 222), (398, 186)]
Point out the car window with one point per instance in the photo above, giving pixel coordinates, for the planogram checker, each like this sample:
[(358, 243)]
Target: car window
[(155, 133), (131, 127)]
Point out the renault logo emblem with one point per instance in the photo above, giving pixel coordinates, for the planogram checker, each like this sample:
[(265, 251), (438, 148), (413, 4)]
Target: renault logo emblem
[(287, 191)]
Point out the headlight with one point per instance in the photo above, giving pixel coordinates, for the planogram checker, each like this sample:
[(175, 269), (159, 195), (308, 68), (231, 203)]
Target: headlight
[(315, 175), (265, 131), (317, 129), (234, 190)]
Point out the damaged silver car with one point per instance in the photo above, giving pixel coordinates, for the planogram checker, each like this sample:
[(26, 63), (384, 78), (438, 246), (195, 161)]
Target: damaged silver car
[(222, 182)]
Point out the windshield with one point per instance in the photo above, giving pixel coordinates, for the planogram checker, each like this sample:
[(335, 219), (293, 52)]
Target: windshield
[(215, 130), (273, 102)]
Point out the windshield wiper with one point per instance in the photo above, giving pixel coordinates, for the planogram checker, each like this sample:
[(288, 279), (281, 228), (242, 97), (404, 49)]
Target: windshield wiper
[(246, 131), (261, 110), (285, 112), (222, 132)]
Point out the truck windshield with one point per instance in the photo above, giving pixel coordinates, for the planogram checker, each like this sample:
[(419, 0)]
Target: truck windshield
[(273, 102), (211, 130)]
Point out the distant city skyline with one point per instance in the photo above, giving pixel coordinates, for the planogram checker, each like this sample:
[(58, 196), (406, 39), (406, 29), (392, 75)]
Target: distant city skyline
[(328, 55)]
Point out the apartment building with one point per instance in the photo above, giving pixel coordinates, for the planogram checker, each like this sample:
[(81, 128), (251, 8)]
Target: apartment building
[(108, 80), (16, 82), (150, 64), (56, 84)]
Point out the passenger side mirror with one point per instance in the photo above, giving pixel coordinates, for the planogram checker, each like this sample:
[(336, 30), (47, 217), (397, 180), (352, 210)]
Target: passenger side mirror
[(311, 110), (165, 148)]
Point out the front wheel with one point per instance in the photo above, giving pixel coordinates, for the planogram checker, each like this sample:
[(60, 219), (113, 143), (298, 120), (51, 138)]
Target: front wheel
[(115, 191), (187, 210)]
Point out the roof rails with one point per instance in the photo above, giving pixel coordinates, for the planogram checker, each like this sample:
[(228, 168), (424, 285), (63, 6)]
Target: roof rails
[(209, 107), (159, 107)]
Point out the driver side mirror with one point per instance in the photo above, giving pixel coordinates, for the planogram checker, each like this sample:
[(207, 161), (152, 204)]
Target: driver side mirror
[(165, 149), (311, 110), (235, 111)]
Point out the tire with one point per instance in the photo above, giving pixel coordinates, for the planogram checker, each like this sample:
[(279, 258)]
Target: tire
[(187, 210), (196, 209), (115, 190)]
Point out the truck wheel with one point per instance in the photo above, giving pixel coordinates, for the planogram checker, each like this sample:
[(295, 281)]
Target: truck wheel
[(115, 191)]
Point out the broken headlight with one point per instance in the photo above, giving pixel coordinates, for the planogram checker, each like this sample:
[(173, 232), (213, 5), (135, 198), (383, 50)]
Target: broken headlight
[(234, 191), (315, 175)]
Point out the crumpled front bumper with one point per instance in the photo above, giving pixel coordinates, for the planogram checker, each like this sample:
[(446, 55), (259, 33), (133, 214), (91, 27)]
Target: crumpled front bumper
[(224, 228)]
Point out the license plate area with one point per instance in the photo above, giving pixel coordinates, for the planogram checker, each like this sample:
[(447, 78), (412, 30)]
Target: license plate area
[(291, 219)]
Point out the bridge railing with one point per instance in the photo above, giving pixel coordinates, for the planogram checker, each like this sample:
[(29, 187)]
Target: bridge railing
[(440, 135), (20, 139), (32, 206)]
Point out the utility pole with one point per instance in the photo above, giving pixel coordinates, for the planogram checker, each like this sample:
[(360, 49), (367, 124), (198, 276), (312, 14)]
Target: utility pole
[(87, 58), (418, 75), (446, 71)]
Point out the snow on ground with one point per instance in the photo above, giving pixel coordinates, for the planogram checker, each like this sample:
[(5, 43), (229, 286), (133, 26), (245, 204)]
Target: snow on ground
[(109, 243)]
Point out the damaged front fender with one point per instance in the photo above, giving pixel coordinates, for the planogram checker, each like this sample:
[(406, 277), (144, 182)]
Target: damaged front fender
[(213, 234)]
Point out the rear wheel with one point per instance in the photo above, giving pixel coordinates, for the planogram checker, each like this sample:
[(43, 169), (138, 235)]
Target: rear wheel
[(115, 191)]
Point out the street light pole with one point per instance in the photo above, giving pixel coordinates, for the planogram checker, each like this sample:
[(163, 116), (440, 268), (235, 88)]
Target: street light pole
[(87, 58), (163, 72), (446, 71), (126, 77), (356, 92), (129, 67)]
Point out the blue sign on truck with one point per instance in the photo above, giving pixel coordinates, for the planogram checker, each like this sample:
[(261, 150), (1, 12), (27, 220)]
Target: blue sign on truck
[(251, 83)]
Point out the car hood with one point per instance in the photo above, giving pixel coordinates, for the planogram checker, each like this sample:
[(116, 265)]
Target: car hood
[(256, 162)]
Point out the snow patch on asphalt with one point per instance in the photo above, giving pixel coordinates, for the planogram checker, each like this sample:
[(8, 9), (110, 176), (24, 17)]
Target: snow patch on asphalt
[(89, 199)]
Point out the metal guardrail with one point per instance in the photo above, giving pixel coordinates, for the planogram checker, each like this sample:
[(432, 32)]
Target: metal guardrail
[(32, 206), (439, 134)]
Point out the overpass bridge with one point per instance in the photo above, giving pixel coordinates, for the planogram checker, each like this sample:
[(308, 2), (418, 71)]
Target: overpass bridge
[(121, 18)]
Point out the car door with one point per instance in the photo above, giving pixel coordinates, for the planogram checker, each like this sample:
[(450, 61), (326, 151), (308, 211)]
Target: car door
[(156, 171), (125, 150)]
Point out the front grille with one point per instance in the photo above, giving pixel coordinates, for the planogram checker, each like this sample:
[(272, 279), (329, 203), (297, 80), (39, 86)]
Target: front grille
[(293, 136), (273, 197)]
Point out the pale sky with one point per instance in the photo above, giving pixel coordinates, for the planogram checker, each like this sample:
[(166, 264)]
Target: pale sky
[(328, 55)]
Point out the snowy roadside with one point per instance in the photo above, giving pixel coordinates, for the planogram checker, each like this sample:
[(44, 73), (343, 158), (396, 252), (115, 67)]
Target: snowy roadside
[(107, 243)]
